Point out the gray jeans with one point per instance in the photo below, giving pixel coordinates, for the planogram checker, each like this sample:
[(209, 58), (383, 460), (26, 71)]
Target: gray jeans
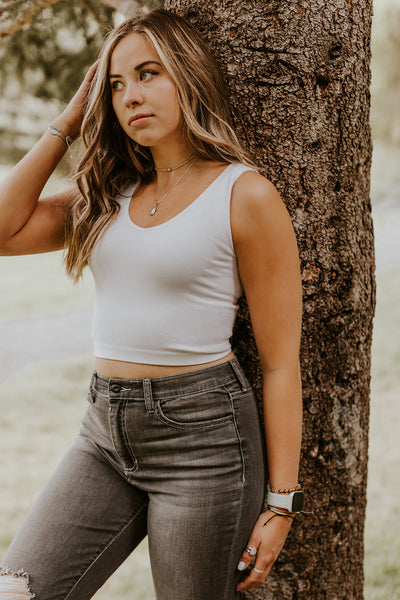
[(179, 458)]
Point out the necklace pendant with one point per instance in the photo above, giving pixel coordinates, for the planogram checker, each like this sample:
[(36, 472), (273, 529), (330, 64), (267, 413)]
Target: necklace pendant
[(153, 211)]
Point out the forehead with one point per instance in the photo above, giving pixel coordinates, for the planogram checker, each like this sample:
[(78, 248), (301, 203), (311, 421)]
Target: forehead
[(131, 51)]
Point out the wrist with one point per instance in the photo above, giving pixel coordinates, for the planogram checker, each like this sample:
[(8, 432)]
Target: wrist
[(68, 127), (284, 519), (289, 500)]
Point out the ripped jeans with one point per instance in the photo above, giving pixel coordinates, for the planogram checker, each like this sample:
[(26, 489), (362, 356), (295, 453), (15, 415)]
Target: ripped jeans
[(178, 458)]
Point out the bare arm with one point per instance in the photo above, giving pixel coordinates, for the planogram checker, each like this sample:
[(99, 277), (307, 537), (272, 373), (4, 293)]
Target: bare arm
[(269, 269), (29, 224)]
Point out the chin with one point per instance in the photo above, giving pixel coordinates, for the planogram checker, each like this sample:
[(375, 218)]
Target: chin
[(150, 141)]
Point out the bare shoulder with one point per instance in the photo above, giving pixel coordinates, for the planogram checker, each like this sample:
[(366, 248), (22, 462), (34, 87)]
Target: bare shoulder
[(256, 205)]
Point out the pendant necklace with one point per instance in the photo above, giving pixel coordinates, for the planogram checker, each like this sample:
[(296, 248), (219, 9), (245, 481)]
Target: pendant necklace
[(157, 202)]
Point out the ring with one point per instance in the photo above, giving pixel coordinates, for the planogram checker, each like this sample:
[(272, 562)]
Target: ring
[(252, 551), (258, 571)]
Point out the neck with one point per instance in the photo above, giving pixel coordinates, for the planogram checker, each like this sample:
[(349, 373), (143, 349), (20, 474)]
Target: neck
[(168, 158)]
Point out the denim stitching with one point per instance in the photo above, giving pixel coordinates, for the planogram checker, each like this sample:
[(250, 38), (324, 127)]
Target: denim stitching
[(127, 443), (112, 540), (230, 560), (194, 424), (112, 437), (190, 426), (238, 436), (200, 392)]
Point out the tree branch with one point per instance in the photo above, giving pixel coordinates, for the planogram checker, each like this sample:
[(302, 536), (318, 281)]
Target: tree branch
[(24, 15), (5, 5), (20, 14)]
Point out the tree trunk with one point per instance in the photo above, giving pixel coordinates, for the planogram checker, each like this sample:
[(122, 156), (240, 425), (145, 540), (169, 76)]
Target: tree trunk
[(298, 77)]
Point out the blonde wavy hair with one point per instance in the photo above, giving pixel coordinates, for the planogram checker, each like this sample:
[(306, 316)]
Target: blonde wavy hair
[(111, 159)]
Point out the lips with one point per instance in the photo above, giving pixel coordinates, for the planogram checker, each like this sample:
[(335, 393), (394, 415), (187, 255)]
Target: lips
[(139, 118)]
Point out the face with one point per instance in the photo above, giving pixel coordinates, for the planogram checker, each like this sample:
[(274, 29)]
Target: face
[(144, 96)]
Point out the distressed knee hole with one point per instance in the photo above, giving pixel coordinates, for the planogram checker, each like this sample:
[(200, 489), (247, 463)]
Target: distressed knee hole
[(15, 586)]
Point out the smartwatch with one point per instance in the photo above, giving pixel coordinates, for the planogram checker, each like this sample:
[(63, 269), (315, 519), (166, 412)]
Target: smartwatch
[(292, 502)]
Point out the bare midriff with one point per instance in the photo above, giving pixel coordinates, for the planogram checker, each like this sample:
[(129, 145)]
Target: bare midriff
[(117, 369)]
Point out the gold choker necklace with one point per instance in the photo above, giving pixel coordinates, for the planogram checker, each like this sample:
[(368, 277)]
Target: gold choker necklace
[(174, 168)]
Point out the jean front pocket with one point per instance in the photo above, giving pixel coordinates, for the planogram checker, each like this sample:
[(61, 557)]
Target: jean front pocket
[(209, 408)]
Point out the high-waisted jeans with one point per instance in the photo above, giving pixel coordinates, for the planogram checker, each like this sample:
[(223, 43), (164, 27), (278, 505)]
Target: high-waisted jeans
[(179, 458)]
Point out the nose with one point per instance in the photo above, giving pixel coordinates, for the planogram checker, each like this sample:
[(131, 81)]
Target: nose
[(133, 94)]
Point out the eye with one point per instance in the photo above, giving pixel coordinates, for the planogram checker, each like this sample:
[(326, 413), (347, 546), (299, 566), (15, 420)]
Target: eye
[(147, 75), (116, 85)]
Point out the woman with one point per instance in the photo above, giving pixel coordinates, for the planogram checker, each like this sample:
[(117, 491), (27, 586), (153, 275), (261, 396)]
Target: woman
[(175, 222)]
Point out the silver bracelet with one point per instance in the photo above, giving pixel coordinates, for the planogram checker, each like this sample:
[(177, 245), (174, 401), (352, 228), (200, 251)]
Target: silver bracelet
[(54, 130)]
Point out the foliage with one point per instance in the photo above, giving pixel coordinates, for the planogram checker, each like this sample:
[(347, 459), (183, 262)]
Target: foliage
[(49, 57)]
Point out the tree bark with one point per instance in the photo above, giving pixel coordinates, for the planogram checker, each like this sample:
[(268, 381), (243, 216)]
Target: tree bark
[(298, 77)]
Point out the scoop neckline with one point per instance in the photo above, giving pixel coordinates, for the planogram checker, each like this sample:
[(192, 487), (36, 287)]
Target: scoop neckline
[(182, 211)]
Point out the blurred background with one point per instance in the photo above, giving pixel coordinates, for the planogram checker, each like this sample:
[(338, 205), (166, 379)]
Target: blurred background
[(45, 321)]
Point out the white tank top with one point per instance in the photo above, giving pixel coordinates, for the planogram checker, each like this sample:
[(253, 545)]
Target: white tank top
[(167, 295)]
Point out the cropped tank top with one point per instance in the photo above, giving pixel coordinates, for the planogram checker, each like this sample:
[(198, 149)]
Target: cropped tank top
[(167, 295)]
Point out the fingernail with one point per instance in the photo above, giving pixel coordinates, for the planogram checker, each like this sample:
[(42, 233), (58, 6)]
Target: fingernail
[(241, 566)]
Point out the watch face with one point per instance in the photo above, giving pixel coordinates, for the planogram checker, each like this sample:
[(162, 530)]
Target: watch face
[(297, 501)]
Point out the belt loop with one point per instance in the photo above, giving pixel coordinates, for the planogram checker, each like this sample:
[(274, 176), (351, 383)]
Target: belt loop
[(239, 374), (148, 396)]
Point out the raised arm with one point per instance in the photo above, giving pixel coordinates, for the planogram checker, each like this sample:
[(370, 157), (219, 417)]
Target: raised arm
[(269, 269), (28, 223)]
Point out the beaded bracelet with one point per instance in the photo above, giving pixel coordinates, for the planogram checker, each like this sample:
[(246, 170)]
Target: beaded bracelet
[(288, 491)]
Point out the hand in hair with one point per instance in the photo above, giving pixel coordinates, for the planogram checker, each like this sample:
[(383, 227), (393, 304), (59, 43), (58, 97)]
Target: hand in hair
[(71, 118)]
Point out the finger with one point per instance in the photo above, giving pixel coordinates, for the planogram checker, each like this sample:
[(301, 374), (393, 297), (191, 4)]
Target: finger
[(248, 554), (257, 575), (92, 70), (89, 77)]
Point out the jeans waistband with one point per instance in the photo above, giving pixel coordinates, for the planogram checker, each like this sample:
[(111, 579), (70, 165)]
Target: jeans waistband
[(171, 385)]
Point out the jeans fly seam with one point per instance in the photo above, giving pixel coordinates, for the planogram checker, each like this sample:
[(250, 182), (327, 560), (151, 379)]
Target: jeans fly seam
[(124, 441), (112, 540), (121, 458), (127, 442)]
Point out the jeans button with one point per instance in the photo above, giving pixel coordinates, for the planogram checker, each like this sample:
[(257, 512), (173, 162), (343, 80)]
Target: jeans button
[(115, 387)]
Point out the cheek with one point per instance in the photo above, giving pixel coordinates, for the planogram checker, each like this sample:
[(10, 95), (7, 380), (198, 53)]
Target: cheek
[(168, 95), (118, 112), (115, 105), (177, 111)]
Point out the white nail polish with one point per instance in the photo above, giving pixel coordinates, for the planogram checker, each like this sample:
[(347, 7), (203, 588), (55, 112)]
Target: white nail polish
[(241, 566)]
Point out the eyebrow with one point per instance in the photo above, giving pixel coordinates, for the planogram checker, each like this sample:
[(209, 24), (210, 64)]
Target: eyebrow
[(138, 67)]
